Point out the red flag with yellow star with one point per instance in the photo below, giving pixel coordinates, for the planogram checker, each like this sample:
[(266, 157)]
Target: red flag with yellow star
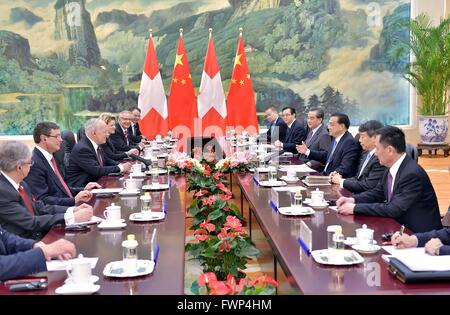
[(241, 106), (182, 100)]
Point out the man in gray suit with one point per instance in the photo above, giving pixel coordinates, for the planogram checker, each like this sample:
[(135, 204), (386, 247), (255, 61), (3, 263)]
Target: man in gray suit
[(317, 138), (370, 171), (20, 213)]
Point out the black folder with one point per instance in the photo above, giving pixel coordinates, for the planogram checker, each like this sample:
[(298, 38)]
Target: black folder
[(406, 275)]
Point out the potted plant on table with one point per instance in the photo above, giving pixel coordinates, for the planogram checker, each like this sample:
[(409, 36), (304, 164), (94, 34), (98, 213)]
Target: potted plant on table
[(429, 73)]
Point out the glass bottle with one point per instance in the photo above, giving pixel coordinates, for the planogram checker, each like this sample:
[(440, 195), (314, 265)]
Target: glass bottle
[(338, 239)]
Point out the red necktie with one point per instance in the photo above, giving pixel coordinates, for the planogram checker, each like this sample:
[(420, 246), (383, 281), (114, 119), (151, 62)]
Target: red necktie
[(126, 136), (99, 157), (63, 183), (25, 198)]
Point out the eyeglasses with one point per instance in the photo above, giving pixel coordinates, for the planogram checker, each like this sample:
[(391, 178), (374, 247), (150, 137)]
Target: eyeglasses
[(57, 136), (31, 163)]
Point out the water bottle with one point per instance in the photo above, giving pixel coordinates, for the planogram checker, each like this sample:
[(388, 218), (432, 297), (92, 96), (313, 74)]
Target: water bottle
[(130, 257), (338, 239)]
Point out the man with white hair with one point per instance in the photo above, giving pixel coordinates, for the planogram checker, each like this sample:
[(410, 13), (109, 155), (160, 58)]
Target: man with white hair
[(20, 213), (123, 138), (88, 162)]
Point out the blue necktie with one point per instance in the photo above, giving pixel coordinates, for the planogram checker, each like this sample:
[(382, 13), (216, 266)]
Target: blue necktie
[(330, 153), (369, 155)]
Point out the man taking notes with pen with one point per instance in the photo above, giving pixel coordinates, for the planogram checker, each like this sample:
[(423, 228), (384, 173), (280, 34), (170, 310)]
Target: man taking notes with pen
[(436, 242)]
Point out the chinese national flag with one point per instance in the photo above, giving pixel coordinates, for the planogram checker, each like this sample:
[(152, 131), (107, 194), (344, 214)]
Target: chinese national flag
[(152, 98), (212, 108), (241, 106), (182, 100)]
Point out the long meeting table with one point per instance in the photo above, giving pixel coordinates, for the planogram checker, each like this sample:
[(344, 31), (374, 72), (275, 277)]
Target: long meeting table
[(168, 275)]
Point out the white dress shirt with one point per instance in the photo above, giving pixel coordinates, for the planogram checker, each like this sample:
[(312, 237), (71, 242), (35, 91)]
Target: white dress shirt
[(394, 169), (68, 216)]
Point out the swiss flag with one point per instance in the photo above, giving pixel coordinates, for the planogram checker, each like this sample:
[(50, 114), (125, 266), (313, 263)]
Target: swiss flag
[(241, 106), (182, 100), (212, 108), (152, 98)]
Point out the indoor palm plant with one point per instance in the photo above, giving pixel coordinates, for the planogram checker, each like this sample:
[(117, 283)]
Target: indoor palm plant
[(429, 73)]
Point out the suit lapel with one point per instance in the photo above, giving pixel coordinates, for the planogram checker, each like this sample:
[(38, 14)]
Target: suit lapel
[(338, 146), (315, 136), (399, 172), (50, 171)]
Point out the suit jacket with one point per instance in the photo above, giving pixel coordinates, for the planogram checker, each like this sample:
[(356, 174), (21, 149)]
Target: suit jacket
[(413, 203), (320, 142), (18, 258), (111, 152), (443, 235), (15, 217), (370, 176), (45, 185), (279, 131), (119, 141), (84, 166), (345, 157), (137, 138), (294, 135)]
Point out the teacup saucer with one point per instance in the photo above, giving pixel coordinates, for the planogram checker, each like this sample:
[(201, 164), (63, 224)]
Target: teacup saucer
[(319, 206), (75, 289), (130, 192), (112, 225), (290, 180), (136, 175), (366, 249), (93, 280)]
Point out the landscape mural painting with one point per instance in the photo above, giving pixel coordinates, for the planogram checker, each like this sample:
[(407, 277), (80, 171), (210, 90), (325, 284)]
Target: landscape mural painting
[(69, 60)]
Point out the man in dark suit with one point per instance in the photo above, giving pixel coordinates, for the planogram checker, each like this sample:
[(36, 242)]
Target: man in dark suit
[(343, 153), (45, 179), (370, 171), (20, 257), (317, 138), (436, 242), (405, 192), (88, 162), (134, 130), (277, 127), (108, 147), (122, 138), (20, 213), (295, 132)]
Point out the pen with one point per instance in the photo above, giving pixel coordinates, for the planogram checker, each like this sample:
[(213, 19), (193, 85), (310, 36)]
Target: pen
[(402, 229)]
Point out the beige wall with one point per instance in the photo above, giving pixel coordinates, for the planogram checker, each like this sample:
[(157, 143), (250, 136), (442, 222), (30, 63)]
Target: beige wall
[(435, 9)]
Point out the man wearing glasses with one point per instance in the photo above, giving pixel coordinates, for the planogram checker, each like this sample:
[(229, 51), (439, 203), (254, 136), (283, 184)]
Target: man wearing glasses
[(20, 213), (277, 127), (295, 133), (45, 179), (122, 138)]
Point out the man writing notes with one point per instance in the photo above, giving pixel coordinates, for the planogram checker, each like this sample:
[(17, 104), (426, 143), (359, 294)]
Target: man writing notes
[(404, 193), (369, 171), (20, 213), (343, 153), (295, 132)]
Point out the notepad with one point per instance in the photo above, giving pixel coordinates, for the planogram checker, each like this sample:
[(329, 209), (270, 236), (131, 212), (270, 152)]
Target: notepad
[(417, 260)]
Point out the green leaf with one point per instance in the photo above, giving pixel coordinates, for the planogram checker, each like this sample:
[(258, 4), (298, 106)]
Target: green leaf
[(215, 215)]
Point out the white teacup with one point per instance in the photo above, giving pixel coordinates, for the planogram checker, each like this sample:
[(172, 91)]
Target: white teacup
[(291, 174), (317, 197), (364, 236), (136, 168), (79, 271), (112, 213), (131, 184)]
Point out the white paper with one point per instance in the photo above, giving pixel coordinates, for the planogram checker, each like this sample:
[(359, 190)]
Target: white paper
[(93, 220), (106, 190), (56, 265), (290, 188), (417, 260), (298, 168)]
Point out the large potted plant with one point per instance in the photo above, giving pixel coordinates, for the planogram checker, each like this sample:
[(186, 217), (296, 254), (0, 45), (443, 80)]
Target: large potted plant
[(429, 73)]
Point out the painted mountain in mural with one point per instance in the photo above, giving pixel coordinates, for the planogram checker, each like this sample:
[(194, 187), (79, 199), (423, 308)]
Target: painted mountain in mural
[(301, 53)]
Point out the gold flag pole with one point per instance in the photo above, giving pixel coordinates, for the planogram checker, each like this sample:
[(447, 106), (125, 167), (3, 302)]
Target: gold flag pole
[(181, 32)]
